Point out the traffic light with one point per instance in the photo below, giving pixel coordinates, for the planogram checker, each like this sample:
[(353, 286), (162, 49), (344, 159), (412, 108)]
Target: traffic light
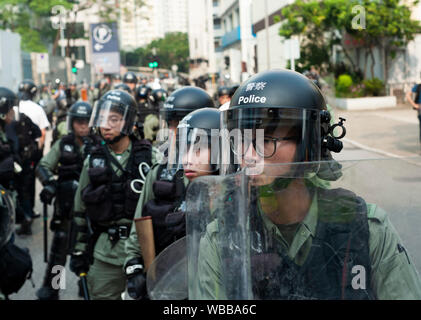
[(154, 63), (227, 61), (74, 68)]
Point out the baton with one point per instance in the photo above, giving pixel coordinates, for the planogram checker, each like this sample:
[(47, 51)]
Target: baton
[(84, 283), (45, 232)]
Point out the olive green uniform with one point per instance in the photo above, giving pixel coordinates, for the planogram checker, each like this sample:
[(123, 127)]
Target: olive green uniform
[(393, 273), (106, 280), (132, 246)]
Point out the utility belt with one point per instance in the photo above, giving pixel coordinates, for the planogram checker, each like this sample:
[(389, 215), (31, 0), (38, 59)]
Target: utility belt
[(115, 232)]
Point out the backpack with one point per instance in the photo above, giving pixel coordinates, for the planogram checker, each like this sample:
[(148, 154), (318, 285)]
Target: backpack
[(15, 268)]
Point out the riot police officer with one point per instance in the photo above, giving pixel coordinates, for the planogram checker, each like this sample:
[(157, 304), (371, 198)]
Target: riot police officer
[(106, 199), (15, 263), (130, 79), (64, 159), (274, 233), (165, 184), (157, 98), (223, 95), (29, 128)]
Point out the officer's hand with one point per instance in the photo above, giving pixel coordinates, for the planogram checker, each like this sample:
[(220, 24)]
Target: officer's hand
[(48, 193), (136, 280), (79, 263)]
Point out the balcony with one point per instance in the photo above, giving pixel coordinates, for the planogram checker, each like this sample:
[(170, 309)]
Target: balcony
[(231, 37)]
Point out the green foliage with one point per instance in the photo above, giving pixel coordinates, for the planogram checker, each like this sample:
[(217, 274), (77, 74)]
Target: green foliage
[(31, 19), (347, 87), (321, 24), (343, 83), (374, 87), (172, 49)]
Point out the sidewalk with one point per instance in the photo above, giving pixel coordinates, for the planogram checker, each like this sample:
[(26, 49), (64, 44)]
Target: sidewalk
[(393, 132)]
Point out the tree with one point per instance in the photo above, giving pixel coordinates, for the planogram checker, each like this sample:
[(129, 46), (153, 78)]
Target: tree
[(323, 24), (172, 49), (32, 19)]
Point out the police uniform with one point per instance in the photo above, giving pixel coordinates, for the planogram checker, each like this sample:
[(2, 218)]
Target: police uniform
[(64, 159), (163, 197), (392, 271), (106, 279), (157, 173), (296, 236)]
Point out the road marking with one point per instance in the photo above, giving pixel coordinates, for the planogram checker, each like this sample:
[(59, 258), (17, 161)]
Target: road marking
[(388, 154)]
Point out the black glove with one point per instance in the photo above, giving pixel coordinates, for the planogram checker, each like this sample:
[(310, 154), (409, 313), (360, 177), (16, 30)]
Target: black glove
[(136, 279), (48, 193), (79, 263)]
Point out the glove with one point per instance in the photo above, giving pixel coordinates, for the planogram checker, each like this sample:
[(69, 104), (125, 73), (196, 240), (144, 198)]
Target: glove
[(48, 193), (136, 279), (79, 263)]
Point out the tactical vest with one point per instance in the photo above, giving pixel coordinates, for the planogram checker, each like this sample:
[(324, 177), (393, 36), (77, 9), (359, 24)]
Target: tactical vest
[(166, 208), (6, 164), (340, 244), (69, 168), (109, 197), (28, 147)]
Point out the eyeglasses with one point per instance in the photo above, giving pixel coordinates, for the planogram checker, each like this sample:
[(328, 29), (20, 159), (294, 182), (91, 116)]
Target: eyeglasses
[(266, 150), (111, 121)]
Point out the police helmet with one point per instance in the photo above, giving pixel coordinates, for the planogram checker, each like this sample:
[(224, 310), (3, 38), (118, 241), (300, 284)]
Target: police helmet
[(8, 100), (142, 92), (124, 87), (223, 91), (158, 96), (115, 101), (281, 101), (197, 131), (27, 90), (117, 77), (183, 101), (79, 110), (130, 77)]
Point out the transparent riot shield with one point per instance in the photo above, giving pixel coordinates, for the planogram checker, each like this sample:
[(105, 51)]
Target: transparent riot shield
[(283, 232), (7, 217), (166, 278)]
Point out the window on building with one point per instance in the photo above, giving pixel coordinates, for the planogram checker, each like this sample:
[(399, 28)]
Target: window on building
[(215, 3), (217, 24)]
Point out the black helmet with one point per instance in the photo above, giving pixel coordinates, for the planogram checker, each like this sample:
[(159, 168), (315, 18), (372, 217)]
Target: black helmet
[(79, 110), (27, 90), (130, 77), (281, 100), (8, 100), (200, 130), (115, 101), (223, 91), (142, 92), (158, 96), (183, 101), (124, 87), (117, 77)]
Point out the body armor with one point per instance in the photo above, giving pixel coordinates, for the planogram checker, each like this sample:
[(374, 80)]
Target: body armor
[(109, 197)]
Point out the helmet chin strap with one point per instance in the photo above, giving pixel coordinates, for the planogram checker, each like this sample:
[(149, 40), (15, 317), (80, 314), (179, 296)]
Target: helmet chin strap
[(114, 140)]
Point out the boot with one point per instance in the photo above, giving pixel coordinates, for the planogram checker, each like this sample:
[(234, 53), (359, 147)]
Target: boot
[(47, 293), (25, 228)]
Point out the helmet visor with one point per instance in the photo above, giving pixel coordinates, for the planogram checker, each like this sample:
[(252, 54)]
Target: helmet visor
[(196, 150), (112, 115), (254, 136)]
